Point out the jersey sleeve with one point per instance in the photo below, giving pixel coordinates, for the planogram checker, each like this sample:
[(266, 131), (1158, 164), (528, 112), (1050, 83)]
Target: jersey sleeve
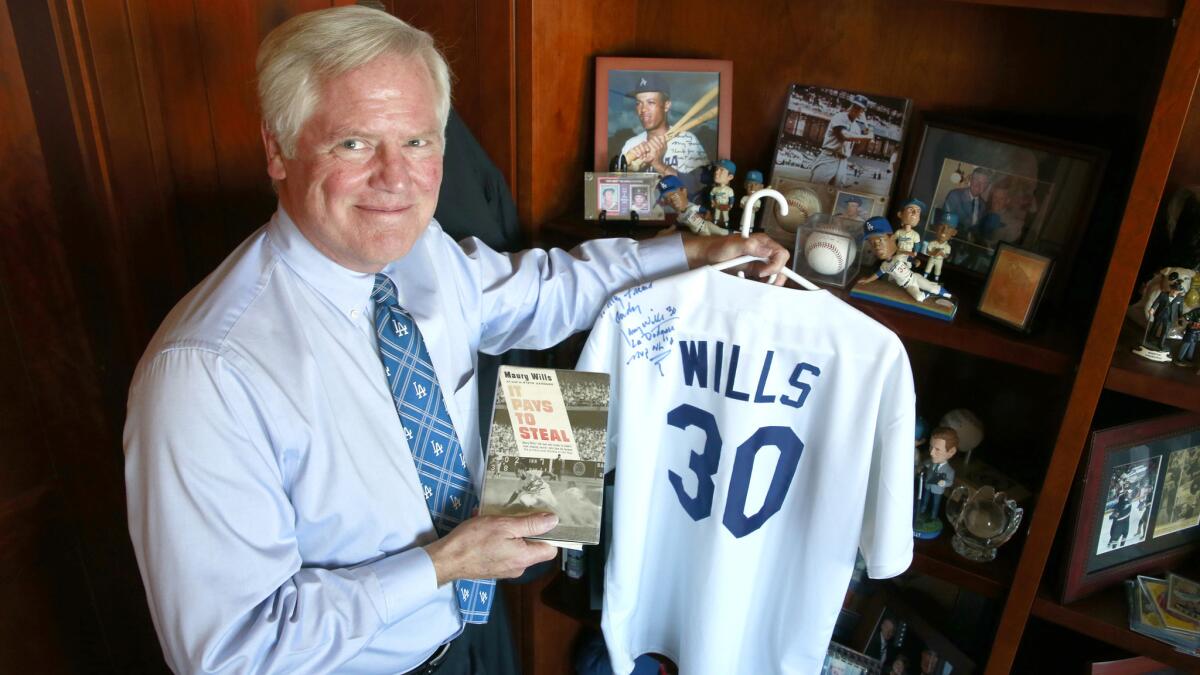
[(887, 540)]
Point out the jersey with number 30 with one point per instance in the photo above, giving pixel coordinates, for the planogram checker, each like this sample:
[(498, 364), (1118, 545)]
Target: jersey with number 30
[(761, 435)]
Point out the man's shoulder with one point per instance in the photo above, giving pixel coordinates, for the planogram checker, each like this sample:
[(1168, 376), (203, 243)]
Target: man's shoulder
[(205, 318)]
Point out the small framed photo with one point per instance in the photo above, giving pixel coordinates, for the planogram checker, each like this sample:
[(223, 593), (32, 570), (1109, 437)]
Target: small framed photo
[(892, 632), (688, 100), (841, 660), (1004, 187), (1139, 506), (1014, 286), (620, 194)]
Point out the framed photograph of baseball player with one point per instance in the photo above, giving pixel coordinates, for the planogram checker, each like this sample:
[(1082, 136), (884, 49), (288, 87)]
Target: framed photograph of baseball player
[(891, 631), (995, 186), (834, 148), (1014, 286), (665, 116), (1138, 508), (619, 195)]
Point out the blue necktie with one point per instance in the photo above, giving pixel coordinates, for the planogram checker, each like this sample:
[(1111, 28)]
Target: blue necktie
[(436, 451)]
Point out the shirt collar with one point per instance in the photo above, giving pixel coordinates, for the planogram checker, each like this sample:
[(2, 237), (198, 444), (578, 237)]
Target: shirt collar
[(348, 290)]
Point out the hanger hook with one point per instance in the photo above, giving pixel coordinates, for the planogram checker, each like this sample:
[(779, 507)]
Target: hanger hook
[(748, 211)]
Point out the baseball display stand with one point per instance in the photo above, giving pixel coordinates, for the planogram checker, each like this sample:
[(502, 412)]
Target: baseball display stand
[(827, 249)]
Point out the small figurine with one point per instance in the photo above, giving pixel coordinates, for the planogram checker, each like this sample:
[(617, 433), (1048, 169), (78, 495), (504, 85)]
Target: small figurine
[(754, 183), (1191, 335), (1161, 316), (720, 197), (939, 250), (935, 478), (907, 239), (673, 193), (897, 266)]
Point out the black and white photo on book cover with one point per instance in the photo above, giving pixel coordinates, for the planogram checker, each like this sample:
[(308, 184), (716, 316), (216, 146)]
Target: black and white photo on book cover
[(546, 450)]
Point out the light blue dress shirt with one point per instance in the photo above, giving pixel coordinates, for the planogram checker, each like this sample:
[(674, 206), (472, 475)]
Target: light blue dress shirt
[(273, 504)]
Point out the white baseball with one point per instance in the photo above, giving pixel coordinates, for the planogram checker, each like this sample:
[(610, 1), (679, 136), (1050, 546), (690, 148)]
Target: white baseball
[(828, 253)]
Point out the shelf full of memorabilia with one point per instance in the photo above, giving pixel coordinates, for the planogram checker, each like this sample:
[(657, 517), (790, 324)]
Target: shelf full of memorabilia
[(1071, 336)]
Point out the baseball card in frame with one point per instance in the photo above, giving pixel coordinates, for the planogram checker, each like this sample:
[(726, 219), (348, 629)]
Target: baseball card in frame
[(688, 103), (1137, 508), (836, 153), (619, 195)]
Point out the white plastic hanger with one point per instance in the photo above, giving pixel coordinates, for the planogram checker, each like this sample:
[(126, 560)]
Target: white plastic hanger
[(748, 224)]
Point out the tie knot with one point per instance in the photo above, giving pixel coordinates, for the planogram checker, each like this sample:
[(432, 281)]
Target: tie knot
[(384, 292)]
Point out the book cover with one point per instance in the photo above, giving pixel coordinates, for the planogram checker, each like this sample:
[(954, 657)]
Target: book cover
[(546, 450)]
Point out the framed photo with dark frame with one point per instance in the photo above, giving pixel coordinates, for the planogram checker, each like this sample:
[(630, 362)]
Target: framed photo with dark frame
[(892, 631), (1004, 187), (1014, 286), (1138, 506), (841, 660), (691, 100)]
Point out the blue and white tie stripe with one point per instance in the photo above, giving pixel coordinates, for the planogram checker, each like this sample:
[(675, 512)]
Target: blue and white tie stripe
[(436, 451)]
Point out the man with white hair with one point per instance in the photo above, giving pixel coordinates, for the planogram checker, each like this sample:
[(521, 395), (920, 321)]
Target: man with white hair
[(302, 443)]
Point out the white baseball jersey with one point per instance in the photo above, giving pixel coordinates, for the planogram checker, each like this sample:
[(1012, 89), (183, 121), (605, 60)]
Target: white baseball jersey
[(761, 435)]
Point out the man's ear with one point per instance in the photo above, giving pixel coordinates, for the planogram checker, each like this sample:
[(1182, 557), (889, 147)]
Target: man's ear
[(275, 167)]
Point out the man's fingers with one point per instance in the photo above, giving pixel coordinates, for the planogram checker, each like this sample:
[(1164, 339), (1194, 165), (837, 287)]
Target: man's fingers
[(533, 524)]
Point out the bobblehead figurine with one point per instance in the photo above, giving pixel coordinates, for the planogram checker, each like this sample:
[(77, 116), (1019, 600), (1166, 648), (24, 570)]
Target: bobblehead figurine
[(720, 197), (672, 192), (939, 249), (895, 265), (936, 476), (1191, 335), (754, 183), (1161, 317), (907, 239)]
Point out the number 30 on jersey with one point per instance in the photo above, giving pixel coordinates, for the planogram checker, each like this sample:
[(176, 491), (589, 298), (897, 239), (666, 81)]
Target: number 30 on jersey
[(704, 464)]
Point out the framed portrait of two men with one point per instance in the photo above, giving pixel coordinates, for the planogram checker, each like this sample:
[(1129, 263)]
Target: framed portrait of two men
[(1002, 187)]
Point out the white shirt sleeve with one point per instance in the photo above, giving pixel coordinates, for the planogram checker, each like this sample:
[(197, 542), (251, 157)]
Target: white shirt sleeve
[(227, 590), (887, 539)]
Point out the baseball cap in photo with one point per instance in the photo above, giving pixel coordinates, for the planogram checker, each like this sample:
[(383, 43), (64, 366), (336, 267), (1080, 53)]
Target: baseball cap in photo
[(649, 82), (860, 101)]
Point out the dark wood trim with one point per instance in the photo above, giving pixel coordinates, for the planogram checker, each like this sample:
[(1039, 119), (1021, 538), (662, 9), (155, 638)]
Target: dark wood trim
[(1158, 152)]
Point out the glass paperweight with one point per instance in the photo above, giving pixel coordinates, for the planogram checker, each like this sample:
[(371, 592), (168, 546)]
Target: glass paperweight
[(982, 519)]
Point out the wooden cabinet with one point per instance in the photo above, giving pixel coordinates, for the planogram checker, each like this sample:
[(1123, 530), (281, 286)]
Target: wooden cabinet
[(1115, 74)]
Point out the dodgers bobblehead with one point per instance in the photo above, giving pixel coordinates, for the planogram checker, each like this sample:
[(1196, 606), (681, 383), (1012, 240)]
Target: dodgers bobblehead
[(779, 446)]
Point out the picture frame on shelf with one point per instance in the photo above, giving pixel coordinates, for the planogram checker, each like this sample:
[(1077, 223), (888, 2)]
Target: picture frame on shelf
[(912, 639), (1014, 286), (819, 172), (841, 660), (697, 110), (1004, 187), (619, 195), (1137, 508)]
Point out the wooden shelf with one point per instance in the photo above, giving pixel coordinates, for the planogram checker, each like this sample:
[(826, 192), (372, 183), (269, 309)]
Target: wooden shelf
[(936, 558), (1051, 350), (1162, 382), (1104, 616)]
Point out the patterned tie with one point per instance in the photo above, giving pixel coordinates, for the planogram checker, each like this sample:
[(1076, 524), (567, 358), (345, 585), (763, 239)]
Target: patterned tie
[(430, 433)]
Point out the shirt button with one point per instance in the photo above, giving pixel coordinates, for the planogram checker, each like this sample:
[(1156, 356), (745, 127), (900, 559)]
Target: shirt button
[(354, 313)]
